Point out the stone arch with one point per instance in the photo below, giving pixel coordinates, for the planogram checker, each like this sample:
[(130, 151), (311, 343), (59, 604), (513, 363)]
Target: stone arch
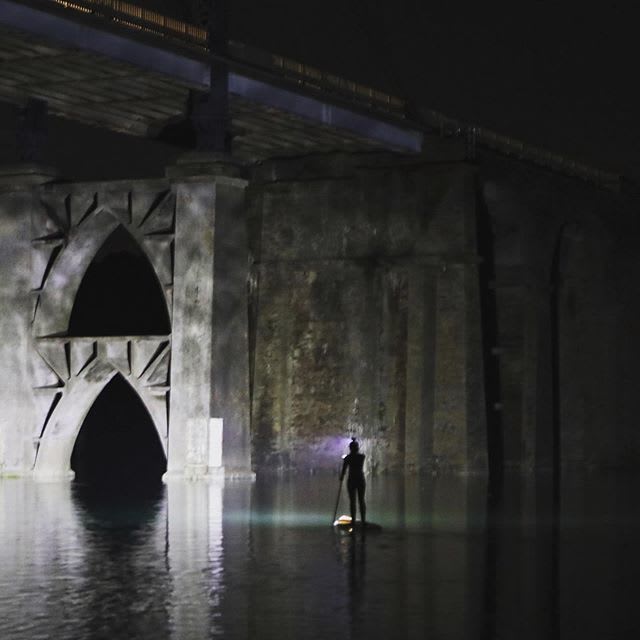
[(82, 242), (117, 447), (120, 293), (53, 457)]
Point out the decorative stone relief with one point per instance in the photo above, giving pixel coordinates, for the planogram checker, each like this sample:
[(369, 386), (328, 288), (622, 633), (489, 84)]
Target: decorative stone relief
[(68, 372), (73, 371), (69, 229)]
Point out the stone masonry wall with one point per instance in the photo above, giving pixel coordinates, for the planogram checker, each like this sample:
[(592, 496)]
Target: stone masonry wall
[(566, 286), (364, 280)]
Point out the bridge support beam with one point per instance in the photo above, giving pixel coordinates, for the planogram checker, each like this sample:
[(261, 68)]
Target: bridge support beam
[(209, 371)]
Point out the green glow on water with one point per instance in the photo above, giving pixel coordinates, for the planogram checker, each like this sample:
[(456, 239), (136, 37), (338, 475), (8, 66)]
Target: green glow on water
[(286, 519)]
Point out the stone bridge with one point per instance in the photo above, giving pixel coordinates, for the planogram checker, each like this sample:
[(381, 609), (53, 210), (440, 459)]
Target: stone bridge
[(455, 299)]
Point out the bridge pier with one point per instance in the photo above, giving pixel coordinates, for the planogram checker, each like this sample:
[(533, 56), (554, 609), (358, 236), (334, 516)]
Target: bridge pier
[(205, 427), (209, 372)]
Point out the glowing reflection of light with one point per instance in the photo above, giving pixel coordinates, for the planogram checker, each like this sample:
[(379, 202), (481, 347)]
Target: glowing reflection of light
[(41, 536), (195, 557)]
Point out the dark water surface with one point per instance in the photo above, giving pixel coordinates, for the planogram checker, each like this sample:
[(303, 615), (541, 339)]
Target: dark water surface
[(260, 560)]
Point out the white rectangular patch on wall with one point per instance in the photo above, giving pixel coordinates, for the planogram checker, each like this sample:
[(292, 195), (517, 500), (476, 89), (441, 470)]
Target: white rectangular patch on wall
[(215, 442)]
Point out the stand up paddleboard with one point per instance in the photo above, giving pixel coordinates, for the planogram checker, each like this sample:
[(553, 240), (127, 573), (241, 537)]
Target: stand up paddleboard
[(343, 523)]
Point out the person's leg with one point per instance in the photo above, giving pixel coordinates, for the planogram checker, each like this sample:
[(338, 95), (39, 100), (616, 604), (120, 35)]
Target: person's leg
[(352, 501), (363, 506)]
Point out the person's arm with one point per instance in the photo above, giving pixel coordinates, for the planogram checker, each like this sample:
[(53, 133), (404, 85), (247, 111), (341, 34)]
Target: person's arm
[(345, 464)]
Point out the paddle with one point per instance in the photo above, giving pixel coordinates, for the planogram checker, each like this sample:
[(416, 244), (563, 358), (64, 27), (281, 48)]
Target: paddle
[(335, 511)]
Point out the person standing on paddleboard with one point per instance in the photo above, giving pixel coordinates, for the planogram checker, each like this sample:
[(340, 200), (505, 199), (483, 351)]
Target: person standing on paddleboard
[(354, 463)]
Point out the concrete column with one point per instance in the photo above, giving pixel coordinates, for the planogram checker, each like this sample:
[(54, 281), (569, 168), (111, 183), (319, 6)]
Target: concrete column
[(16, 396), (537, 418), (393, 370), (450, 406), (420, 367), (230, 356), (18, 416), (209, 372), (188, 451), (449, 249), (459, 430)]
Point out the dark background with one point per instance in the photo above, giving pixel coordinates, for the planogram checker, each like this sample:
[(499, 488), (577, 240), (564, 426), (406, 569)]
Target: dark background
[(559, 75)]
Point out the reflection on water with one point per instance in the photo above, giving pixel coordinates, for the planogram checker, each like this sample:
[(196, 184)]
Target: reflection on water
[(261, 560)]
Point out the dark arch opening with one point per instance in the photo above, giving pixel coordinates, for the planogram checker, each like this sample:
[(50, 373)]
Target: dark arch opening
[(118, 449), (120, 293)]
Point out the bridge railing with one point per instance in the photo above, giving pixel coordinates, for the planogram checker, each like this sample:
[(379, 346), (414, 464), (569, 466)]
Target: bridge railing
[(132, 15), (509, 146), (139, 18)]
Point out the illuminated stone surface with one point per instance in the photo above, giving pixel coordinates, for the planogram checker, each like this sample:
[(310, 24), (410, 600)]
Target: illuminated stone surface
[(52, 389), (326, 296), (368, 295)]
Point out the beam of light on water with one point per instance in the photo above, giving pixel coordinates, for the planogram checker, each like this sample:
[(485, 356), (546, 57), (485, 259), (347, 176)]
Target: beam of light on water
[(194, 556), (288, 519)]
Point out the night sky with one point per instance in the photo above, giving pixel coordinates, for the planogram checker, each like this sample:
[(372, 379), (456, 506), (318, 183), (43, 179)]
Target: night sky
[(562, 76)]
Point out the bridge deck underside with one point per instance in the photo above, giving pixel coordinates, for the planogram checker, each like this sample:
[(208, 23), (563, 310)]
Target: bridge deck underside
[(98, 90)]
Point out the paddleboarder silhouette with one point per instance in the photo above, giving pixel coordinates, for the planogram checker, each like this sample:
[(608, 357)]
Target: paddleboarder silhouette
[(354, 465)]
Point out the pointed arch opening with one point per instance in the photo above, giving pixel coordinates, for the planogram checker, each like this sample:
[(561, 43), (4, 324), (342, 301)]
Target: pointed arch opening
[(120, 293), (118, 449)]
